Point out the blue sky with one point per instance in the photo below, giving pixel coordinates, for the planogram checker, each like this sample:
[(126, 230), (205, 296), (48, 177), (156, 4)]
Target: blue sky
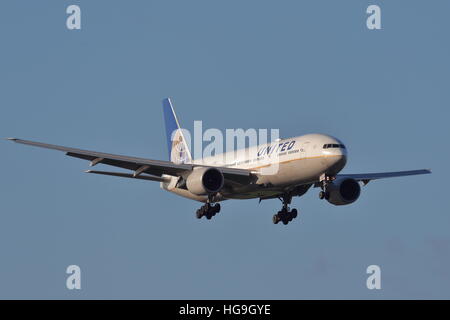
[(300, 66)]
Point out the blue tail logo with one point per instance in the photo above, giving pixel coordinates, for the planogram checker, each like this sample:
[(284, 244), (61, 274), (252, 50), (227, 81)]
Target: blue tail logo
[(176, 143)]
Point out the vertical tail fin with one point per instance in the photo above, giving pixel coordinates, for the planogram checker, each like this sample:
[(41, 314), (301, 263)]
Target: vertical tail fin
[(176, 143)]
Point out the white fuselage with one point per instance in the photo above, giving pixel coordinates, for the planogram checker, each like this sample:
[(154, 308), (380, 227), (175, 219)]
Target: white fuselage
[(279, 165)]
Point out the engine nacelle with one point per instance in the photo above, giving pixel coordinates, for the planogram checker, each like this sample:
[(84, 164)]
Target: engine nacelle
[(343, 191), (203, 181)]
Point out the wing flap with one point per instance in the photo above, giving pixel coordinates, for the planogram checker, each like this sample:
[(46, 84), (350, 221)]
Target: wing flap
[(128, 175)]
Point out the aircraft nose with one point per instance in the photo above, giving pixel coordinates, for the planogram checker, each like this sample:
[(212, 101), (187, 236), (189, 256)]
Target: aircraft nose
[(342, 155), (342, 159), (336, 160), (338, 157)]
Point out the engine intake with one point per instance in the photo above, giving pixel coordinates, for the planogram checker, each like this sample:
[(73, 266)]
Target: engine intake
[(343, 191), (203, 181)]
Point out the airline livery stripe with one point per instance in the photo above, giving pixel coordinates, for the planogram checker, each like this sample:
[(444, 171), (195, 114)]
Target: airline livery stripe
[(306, 158)]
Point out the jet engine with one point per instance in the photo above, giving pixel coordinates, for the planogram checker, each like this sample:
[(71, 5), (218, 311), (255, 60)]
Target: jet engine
[(203, 181), (343, 191)]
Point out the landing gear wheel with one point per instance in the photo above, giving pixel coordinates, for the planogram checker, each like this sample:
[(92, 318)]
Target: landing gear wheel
[(289, 217), (285, 215), (294, 213), (208, 211), (324, 195), (276, 218)]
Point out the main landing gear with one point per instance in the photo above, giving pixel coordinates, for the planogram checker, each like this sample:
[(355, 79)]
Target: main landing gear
[(208, 210), (285, 215)]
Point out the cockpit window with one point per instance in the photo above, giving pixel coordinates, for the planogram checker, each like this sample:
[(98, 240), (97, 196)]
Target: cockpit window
[(333, 145)]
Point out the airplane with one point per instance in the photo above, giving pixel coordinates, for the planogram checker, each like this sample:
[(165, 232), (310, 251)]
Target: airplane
[(302, 162)]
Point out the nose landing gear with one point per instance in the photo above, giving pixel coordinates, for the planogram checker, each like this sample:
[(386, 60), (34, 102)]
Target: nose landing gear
[(325, 180), (324, 195)]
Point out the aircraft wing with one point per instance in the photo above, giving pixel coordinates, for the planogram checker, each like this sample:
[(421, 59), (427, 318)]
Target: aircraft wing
[(366, 177), (155, 168)]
